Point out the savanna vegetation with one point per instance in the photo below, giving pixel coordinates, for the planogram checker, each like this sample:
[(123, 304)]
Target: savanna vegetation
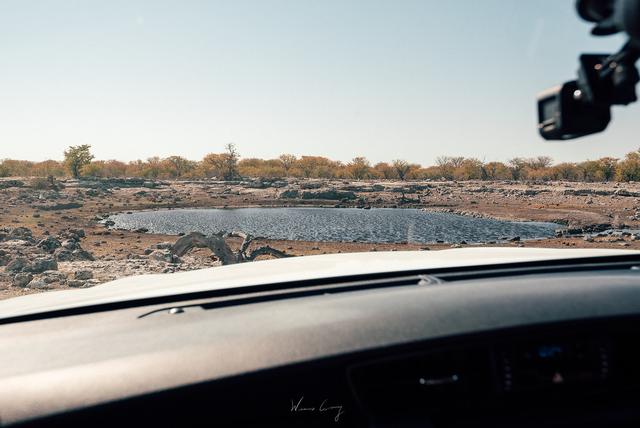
[(228, 165)]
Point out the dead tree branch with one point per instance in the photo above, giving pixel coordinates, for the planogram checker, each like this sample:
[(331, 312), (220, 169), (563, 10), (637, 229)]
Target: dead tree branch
[(216, 243)]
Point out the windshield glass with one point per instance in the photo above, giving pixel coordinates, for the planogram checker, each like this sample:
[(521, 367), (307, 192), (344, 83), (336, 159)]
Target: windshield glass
[(156, 137)]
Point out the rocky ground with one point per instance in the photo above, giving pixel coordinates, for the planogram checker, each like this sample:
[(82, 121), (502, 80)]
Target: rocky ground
[(53, 234)]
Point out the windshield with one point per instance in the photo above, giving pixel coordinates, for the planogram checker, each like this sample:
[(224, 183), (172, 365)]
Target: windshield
[(157, 137)]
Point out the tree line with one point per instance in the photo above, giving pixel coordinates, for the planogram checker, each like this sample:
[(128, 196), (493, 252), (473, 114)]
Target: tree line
[(228, 165)]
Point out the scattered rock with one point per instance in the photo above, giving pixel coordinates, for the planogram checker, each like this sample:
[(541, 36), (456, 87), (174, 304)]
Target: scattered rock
[(83, 274), (22, 279), (52, 276), (70, 244), (66, 255), (16, 265), (330, 195), (4, 257), (73, 234), (49, 244), (5, 184), (81, 254), (41, 264), (164, 256), (20, 233), (289, 194), (39, 284), (76, 283)]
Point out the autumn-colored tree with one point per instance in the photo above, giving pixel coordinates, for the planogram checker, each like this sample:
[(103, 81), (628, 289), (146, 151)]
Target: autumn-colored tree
[(590, 171), (517, 166), (177, 166), (94, 169), (402, 168), (496, 171), (228, 165), (385, 171), (629, 168), (153, 167), (566, 171), (447, 165), (359, 168), (253, 167), (608, 167), (469, 169), (539, 162), (288, 162), (47, 168), (212, 165), (230, 162), (454, 161), (135, 168), (76, 158), (222, 165), (316, 166)]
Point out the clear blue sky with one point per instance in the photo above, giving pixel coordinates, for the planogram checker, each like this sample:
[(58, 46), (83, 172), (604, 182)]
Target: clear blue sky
[(410, 79)]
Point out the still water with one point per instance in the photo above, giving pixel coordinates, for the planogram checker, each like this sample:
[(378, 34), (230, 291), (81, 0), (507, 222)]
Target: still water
[(335, 224)]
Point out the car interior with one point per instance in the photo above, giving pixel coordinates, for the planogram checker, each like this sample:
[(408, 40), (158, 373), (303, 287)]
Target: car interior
[(525, 344)]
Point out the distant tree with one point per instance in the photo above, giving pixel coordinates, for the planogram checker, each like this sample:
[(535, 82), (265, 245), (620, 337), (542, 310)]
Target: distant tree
[(177, 166), (15, 168), (359, 168), (384, 170), (153, 167), (268, 168), (539, 162), (288, 162), (608, 167), (212, 165), (76, 158), (135, 168), (590, 171), (402, 168), (307, 165), (93, 169), (517, 166), (454, 161), (230, 164), (566, 171), (469, 169), (629, 168), (447, 165), (47, 168), (224, 165), (496, 171), (4, 169), (316, 167)]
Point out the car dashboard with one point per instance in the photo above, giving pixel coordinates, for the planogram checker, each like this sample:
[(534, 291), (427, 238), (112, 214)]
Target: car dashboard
[(551, 344)]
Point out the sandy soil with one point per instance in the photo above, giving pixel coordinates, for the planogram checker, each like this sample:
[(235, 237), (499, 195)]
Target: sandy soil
[(584, 208)]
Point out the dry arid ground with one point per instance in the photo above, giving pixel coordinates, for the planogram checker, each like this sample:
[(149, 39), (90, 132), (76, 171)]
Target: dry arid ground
[(52, 237)]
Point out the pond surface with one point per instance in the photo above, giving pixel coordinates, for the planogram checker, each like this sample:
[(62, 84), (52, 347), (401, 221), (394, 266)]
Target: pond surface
[(335, 224)]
